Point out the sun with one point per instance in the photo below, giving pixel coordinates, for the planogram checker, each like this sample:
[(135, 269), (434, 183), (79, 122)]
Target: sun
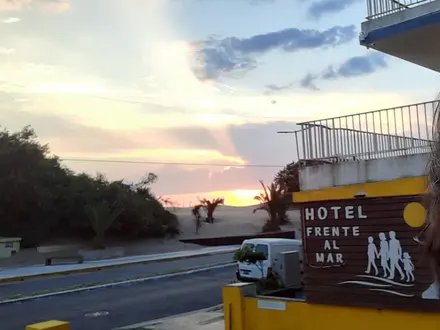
[(241, 197), (414, 215)]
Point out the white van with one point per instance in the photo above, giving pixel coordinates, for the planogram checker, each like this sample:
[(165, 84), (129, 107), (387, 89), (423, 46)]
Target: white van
[(270, 247)]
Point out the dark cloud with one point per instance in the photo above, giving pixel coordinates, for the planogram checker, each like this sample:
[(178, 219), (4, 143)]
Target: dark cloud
[(353, 67), (257, 143), (278, 88), (320, 8), (308, 82), (260, 143), (174, 179), (218, 56)]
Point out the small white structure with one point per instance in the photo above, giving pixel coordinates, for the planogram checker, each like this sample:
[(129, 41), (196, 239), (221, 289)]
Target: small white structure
[(9, 246)]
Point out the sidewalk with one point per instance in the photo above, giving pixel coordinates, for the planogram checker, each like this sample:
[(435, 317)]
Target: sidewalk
[(206, 319), (22, 273)]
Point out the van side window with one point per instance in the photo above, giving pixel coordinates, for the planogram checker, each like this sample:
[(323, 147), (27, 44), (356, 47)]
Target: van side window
[(261, 248)]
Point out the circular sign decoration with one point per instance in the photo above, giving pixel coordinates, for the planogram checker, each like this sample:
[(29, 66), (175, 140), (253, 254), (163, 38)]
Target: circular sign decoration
[(414, 215)]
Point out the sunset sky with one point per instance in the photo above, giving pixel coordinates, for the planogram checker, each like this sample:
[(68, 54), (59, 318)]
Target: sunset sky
[(190, 81)]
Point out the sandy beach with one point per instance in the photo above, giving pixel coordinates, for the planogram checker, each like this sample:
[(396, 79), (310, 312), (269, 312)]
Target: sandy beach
[(230, 221)]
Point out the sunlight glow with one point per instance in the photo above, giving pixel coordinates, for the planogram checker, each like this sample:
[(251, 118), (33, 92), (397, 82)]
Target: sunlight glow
[(59, 87), (182, 155), (239, 197)]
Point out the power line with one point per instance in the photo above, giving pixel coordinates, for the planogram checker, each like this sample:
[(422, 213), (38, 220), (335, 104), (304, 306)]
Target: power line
[(85, 160)]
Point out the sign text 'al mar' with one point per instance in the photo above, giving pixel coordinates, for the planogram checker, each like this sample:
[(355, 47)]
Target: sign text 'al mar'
[(331, 253)]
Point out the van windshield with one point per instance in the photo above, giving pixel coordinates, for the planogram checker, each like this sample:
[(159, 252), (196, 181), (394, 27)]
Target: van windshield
[(261, 248)]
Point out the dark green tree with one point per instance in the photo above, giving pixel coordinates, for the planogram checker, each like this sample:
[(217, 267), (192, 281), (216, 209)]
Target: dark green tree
[(41, 200)]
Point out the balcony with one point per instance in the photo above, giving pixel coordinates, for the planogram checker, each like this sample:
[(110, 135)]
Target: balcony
[(404, 130), (375, 146), (406, 29)]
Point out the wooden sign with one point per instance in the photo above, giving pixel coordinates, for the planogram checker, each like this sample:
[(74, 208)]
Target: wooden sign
[(362, 252)]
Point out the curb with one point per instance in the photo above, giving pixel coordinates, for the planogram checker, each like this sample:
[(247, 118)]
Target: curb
[(122, 283), (156, 321), (104, 267)]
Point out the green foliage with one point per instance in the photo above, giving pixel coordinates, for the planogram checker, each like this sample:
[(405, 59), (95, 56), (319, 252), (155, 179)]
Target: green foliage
[(271, 283), (101, 216), (288, 177), (42, 200), (273, 200), (248, 256), (210, 206)]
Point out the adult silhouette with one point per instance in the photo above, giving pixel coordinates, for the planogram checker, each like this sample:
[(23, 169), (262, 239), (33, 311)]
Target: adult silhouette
[(383, 254), (395, 256), (372, 255)]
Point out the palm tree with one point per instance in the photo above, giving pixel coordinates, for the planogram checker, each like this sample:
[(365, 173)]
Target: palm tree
[(197, 216), (272, 200), (210, 207), (101, 216)]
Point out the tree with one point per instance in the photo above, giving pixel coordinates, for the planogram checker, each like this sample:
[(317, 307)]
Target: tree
[(272, 200), (101, 216), (210, 206), (42, 200), (288, 177), (197, 216)]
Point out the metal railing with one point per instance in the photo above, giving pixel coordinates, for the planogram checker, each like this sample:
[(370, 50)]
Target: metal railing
[(376, 134), (379, 8)]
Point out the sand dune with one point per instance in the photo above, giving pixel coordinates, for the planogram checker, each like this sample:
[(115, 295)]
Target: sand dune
[(230, 221)]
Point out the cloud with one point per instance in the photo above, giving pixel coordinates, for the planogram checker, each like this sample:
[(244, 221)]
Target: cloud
[(353, 67), (10, 20), (6, 51), (14, 5), (219, 56), (55, 6), (193, 144), (308, 82), (278, 88), (259, 2), (323, 7)]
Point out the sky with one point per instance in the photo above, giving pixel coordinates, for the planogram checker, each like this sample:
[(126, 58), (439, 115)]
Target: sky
[(192, 90)]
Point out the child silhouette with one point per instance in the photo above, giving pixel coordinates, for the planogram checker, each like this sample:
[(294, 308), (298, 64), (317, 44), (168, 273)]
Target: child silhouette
[(408, 267)]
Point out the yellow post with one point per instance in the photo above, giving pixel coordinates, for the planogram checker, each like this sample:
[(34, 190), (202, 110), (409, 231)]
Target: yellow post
[(233, 304), (49, 325)]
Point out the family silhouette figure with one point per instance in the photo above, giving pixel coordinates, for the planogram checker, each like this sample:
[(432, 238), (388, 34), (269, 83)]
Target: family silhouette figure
[(391, 256)]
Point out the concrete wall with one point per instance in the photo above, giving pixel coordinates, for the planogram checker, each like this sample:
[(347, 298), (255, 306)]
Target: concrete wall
[(376, 170)]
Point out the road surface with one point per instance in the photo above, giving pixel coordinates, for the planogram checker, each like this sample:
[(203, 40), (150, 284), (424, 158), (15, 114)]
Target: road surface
[(105, 309), (31, 286)]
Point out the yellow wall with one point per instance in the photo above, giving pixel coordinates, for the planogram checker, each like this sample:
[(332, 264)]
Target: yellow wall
[(303, 316), (400, 187), (242, 313)]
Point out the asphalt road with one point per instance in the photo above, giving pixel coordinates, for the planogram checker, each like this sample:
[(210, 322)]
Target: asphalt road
[(30, 286), (125, 304)]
